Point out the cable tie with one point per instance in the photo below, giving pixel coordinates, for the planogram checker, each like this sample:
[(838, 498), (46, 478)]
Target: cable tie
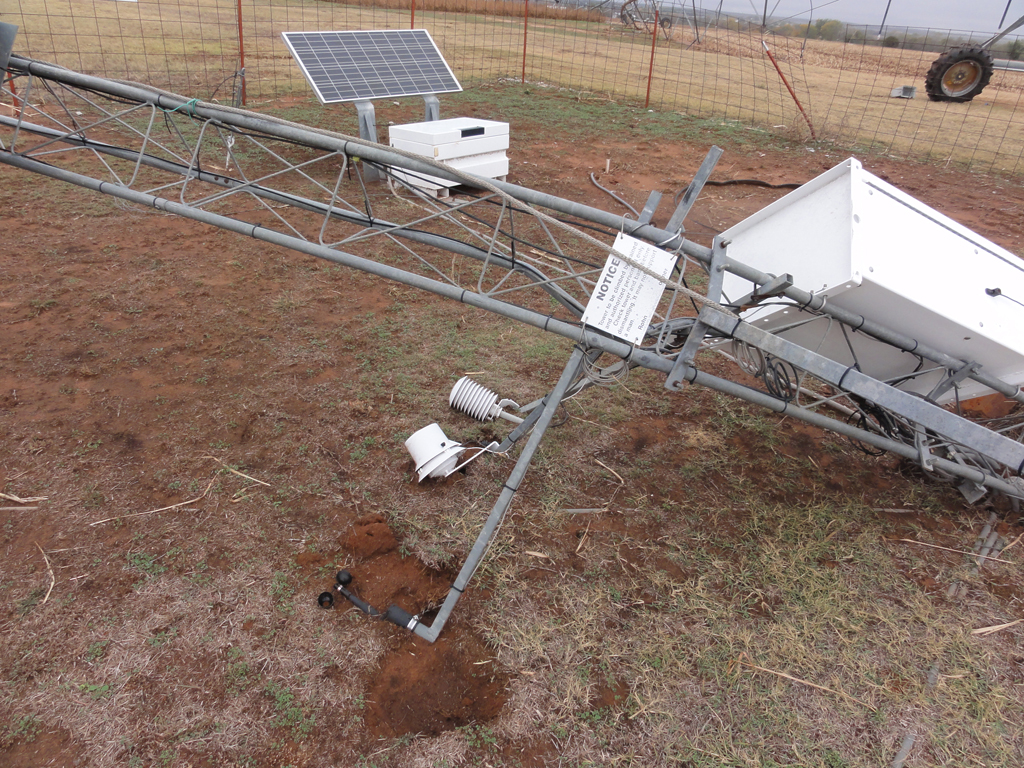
[(457, 589), (629, 357), (507, 486), (843, 377), (189, 107)]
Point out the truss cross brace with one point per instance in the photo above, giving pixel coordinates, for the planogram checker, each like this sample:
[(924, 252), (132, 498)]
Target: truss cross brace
[(987, 443)]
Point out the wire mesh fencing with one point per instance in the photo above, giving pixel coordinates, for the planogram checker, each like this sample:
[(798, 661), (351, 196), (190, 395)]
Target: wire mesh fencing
[(863, 91)]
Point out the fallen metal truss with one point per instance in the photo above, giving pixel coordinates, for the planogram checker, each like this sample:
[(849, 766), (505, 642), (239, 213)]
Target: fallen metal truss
[(510, 250)]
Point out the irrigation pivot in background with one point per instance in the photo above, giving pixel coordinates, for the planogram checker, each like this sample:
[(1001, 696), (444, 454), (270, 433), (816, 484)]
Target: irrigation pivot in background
[(962, 73)]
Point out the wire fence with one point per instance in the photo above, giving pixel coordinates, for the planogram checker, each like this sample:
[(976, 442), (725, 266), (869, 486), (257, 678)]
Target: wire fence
[(690, 60)]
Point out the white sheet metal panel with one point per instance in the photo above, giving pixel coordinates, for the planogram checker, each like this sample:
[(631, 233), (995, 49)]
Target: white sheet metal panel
[(452, 129), (451, 138), (875, 250), (491, 166), (462, 148)]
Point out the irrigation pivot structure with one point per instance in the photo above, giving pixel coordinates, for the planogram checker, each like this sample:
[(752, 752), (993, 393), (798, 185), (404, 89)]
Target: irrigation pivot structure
[(521, 254), (962, 73)]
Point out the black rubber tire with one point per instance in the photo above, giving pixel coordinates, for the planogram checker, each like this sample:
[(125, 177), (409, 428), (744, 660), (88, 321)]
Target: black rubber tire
[(959, 75), (629, 15)]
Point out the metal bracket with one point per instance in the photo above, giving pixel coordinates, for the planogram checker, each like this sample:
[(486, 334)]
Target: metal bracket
[(688, 353), (238, 95), (675, 224), (774, 287), (652, 205), (953, 378), (431, 108)]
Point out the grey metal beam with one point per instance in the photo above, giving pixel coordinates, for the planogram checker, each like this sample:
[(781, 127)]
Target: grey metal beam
[(993, 445), (675, 224)]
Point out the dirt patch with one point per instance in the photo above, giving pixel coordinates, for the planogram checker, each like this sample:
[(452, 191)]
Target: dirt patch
[(370, 536), (426, 688)]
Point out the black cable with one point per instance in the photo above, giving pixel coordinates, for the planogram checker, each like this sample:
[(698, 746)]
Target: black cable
[(753, 183)]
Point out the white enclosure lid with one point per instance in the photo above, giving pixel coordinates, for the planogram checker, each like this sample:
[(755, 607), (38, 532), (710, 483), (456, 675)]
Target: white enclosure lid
[(445, 131)]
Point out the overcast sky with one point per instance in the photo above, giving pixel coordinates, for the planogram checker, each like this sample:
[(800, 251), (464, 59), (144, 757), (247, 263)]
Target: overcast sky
[(979, 15)]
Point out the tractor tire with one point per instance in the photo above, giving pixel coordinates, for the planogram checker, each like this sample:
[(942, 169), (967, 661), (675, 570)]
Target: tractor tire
[(629, 15), (959, 75)]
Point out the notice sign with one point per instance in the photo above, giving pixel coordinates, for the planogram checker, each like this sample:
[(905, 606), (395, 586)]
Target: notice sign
[(625, 298)]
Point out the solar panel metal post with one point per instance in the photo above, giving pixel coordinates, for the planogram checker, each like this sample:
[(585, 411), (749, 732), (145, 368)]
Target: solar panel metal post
[(431, 108), (368, 131), (7, 33)]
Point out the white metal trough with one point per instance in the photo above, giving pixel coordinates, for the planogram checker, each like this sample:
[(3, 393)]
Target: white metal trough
[(874, 250)]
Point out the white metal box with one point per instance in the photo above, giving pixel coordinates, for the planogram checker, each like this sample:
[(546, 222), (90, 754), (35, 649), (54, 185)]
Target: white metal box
[(870, 248), (472, 145)]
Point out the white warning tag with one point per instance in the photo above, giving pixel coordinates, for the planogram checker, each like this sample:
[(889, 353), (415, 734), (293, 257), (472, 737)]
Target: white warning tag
[(625, 298)]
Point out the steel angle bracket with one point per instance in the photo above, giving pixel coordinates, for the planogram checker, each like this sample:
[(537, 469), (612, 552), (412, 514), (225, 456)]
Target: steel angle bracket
[(954, 377), (647, 214), (698, 331), (775, 287), (675, 224), (922, 413)]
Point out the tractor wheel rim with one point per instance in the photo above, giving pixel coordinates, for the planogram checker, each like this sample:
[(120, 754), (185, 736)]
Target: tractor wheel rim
[(961, 78)]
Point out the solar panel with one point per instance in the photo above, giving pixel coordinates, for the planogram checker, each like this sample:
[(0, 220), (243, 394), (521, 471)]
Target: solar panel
[(364, 65)]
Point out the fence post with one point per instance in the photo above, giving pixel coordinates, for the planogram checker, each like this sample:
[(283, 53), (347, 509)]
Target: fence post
[(650, 72), (790, 89), (412, 20), (241, 50), (526, 24)]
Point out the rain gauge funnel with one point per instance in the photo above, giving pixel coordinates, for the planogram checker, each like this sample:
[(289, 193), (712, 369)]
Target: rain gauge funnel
[(875, 251), (435, 455)]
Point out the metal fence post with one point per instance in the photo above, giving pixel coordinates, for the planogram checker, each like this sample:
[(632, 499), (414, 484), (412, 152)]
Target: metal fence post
[(650, 71), (241, 51), (526, 24)]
